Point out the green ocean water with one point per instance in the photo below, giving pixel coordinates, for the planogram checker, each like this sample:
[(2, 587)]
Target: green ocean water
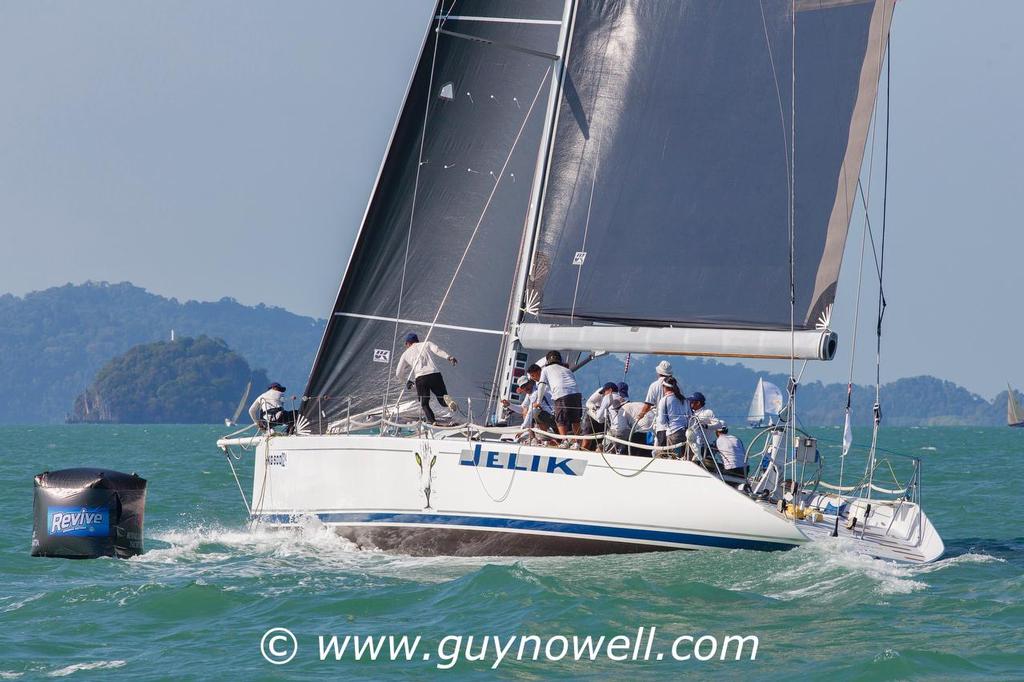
[(197, 603)]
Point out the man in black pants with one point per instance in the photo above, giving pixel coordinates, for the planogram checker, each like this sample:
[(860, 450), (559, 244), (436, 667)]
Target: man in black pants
[(417, 367)]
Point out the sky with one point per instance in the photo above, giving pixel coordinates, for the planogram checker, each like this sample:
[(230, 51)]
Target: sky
[(205, 149)]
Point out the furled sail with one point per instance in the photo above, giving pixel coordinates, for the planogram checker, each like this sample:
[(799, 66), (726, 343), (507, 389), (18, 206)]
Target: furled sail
[(438, 247), (667, 201)]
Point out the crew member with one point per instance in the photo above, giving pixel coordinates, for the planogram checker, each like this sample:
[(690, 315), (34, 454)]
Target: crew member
[(616, 424), (535, 406), (417, 367), (734, 455), (594, 421), (672, 417), (266, 411), (701, 429), (565, 393), (654, 393), (639, 427)]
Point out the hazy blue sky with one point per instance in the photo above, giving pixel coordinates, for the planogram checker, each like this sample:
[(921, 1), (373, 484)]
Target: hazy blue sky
[(205, 149)]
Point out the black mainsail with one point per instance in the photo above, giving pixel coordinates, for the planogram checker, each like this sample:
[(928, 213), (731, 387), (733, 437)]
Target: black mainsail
[(667, 203), (439, 245)]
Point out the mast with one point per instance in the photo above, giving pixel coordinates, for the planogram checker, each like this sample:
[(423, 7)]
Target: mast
[(512, 346)]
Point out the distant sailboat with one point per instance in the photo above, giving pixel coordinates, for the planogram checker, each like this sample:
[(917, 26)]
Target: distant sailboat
[(241, 406), (1014, 415), (766, 404)]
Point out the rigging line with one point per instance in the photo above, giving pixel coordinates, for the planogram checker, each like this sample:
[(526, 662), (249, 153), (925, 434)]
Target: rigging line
[(853, 356), (778, 92), (881, 270), (871, 232), (412, 208), (483, 213), (586, 230), (885, 198), (792, 229)]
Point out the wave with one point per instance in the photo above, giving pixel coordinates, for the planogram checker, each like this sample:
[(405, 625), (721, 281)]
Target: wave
[(95, 665)]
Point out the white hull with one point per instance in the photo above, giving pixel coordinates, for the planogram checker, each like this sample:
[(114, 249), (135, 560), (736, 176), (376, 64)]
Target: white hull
[(482, 498), (373, 491)]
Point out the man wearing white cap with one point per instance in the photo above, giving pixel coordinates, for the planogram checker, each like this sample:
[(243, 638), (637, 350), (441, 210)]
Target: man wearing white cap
[(535, 405), (654, 393)]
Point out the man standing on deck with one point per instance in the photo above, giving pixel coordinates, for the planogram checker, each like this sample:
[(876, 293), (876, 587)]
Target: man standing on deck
[(417, 368), (568, 400)]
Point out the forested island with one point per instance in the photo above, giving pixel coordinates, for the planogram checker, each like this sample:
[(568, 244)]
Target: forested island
[(185, 381), (54, 342)]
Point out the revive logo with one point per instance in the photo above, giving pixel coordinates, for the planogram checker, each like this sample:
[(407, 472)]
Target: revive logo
[(516, 461), (84, 522)]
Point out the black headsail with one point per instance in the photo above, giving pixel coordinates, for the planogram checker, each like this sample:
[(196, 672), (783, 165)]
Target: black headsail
[(439, 244), (667, 203)]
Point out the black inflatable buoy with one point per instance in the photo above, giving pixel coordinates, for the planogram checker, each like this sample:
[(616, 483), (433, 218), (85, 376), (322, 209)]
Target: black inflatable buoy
[(88, 513)]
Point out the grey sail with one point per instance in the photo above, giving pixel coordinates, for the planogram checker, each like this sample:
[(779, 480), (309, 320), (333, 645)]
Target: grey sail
[(437, 249), (667, 202)]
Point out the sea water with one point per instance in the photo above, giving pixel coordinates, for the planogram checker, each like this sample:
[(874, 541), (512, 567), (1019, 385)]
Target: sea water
[(198, 602)]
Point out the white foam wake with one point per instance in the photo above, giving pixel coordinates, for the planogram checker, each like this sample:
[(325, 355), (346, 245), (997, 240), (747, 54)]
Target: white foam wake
[(95, 665)]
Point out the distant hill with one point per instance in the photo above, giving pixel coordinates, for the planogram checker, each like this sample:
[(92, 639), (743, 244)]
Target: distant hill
[(53, 342), (914, 401), (186, 381)]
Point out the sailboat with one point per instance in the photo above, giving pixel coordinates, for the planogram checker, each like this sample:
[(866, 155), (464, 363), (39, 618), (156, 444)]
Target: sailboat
[(241, 406), (1014, 415), (590, 175), (766, 404)]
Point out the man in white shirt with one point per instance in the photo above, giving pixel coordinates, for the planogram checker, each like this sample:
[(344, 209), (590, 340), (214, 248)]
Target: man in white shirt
[(616, 423), (700, 434), (535, 406), (734, 455), (416, 367), (565, 394), (266, 411), (654, 393), (639, 427), (595, 420)]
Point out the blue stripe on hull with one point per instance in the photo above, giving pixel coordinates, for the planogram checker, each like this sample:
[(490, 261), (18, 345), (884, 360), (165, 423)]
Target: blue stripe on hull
[(578, 529)]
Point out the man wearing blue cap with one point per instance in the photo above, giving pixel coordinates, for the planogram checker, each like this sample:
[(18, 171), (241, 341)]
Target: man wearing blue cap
[(700, 433), (267, 410), (416, 367), (616, 422)]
